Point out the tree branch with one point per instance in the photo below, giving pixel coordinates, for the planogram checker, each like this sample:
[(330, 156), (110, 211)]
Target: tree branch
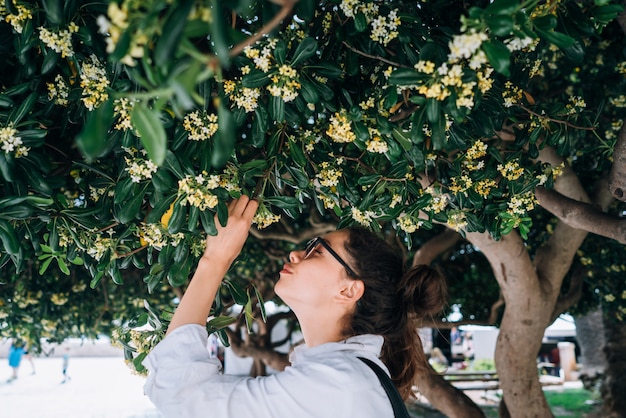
[(617, 183), (583, 216), (435, 246), (375, 57), (276, 20)]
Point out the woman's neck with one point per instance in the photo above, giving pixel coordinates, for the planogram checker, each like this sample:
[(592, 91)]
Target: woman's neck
[(320, 329)]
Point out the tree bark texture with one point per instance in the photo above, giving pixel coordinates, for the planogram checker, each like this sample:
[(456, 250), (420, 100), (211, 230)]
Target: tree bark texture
[(590, 337), (617, 184), (614, 385)]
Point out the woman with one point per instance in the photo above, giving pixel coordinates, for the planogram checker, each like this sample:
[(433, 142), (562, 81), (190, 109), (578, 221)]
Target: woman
[(351, 300)]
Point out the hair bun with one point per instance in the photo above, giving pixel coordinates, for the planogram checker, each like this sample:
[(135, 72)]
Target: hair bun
[(423, 291)]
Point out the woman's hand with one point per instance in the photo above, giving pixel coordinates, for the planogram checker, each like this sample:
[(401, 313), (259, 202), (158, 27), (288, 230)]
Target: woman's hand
[(228, 242), (221, 250)]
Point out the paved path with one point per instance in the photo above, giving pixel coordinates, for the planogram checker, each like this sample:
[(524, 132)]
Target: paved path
[(100, 387)]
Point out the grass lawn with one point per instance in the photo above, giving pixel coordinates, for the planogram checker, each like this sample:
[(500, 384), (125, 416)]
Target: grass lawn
[(565, 403)]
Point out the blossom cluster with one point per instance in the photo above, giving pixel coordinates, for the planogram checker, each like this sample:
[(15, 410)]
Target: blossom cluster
[(409, 223), (340, 129), (285, 84), (10, 142), (121, 109), (376, 144), (114, 26), (328, 175), (200, 126), (364, 218), (244, 97), (17, 20), (264, 217), (59, 91), (157, 236), (61, 41), (94, 82), (511, 170), (197, 190), (99, 245), (384, 29), (139, 168)]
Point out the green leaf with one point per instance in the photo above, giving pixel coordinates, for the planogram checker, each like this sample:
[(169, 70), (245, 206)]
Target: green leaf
[(53, 10), (218, 34), (559, 39), (255, 79), (503, 7), (44, 266), (277, 109), (305, 50), (18, 113), (224, 141), (9, 238), (172, 32), (406, 76), (151, 132), (220, 322), (498, 55), (95, 134), (63, 265)]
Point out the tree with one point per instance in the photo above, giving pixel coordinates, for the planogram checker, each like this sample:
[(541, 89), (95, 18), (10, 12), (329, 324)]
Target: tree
[(125, 126)]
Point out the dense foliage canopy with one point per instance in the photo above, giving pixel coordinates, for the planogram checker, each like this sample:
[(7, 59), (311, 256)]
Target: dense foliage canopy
[(126, 126)]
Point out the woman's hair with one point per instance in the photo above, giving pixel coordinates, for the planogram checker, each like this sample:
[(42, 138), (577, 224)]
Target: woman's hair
[(393, 304)]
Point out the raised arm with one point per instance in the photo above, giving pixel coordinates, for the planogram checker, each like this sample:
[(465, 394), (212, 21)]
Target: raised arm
[(221, 250)]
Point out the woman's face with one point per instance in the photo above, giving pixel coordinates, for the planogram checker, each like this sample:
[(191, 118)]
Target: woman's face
[(316, 281)]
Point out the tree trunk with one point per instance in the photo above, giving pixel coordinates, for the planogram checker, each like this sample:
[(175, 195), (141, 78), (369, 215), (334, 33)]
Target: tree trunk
[(590, 337), (517, 346), (614, 385)]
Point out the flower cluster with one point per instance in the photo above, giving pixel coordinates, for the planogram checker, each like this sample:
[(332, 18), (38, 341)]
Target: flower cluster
[(376, 144), (461, 184), (512, 94), (94, 82), (61, 41), (11, 143), (18, 20), (384, 29), (59, 91), (511, 170), (285, 84), (59, 298), (264, 217), (477, 151), (408, 223), (438, 202), (244, 97), (139, 168), (467, 46), (519, 205), (157, 236), (340, 129), (362, 217), (263, 56), (517, 44), (122, 108), (200, 126), (456, 220), (483, 187), (100, 245), (329, 176), (116, 24), (197, 190), (575, 105)]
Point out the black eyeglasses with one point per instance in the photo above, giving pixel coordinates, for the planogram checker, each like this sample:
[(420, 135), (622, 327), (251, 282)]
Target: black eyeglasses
[(312, 245)]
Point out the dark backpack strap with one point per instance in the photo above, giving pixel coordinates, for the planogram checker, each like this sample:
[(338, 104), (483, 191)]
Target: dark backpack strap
[(399, 408)]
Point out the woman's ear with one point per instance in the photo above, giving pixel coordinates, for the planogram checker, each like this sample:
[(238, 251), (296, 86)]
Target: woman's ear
[(351, 291)]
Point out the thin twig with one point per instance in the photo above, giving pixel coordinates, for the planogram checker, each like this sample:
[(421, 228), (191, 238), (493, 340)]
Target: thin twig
[(375, 57), (561, 122), (283, 13)]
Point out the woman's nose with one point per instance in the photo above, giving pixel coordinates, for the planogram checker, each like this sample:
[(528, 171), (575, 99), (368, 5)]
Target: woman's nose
[(295, 256)]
